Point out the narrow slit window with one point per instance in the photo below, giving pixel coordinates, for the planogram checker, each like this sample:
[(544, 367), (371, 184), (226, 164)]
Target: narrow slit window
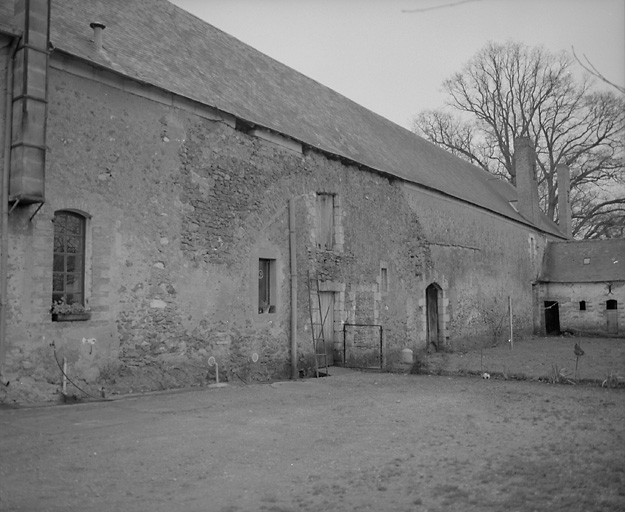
[(266, 286), (325, 221), (384, 280)]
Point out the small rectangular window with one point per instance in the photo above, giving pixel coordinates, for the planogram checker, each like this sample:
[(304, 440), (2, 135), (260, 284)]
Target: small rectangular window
[(586, 261), (325, 221), (611, 304), (266, 286), (384, 280), (582, 305)]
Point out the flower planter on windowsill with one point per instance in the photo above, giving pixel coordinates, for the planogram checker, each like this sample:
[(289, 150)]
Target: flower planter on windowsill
[(71, 317)]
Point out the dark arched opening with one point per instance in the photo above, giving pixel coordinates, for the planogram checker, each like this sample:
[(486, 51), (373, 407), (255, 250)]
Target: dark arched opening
[(432, 293)]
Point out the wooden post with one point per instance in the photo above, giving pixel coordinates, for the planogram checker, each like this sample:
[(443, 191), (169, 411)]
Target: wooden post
[(64, 376), (510, 321)]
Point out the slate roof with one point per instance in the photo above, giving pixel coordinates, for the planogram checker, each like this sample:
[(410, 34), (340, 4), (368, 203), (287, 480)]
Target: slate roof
[(161, 44), (564, 261)]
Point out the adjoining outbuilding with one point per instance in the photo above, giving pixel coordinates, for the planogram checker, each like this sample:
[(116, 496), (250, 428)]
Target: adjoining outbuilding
[(582, 287)]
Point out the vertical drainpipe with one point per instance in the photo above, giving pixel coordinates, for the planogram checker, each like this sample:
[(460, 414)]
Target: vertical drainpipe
[(293, 249), (4, 198)]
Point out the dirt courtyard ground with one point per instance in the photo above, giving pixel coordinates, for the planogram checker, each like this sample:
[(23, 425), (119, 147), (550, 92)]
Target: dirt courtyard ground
[(352, 441)]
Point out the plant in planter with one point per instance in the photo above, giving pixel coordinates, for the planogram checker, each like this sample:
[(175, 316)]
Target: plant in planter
[(64, 312), (265, 308)]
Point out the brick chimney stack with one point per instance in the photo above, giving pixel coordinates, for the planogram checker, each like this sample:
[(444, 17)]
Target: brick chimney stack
[(564, 203), (526, 182)]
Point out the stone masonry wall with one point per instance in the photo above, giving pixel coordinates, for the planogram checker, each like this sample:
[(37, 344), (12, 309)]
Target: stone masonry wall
[(180, 206), (480, 260)]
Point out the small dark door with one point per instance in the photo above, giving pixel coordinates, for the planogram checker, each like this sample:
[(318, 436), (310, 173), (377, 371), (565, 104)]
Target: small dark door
[(431, 299), (552, 317), (612, 316)]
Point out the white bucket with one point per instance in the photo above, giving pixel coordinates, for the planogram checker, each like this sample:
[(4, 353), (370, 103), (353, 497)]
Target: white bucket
[(406, 356)]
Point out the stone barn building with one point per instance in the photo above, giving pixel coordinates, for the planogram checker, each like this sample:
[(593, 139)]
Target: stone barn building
[(171, 194), (582, 287)]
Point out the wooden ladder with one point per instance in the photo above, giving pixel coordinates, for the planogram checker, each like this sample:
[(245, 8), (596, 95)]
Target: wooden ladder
[(317, 322)]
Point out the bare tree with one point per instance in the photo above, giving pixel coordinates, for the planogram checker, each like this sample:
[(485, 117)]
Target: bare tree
[(607, 215), (512, 90), (590, 68)]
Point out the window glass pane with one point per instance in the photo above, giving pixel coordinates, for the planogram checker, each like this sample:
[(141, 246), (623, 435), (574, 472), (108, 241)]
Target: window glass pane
[(57, 283), (71, 263), (72, 244), (58, 265), (77, 284), (59, 245), (59, 225), (74, 225)]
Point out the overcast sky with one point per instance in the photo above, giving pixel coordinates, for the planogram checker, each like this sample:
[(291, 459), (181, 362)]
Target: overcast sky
[(391, 56)]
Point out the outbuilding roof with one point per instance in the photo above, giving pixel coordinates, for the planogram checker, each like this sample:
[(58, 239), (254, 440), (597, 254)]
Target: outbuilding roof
[(584, 261), (158, 43)]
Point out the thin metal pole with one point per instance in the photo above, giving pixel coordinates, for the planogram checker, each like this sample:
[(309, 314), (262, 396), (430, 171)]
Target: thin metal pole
[(381, 350), (344, 346), (293, 253)]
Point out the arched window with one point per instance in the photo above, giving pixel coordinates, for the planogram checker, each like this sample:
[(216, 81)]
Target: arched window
[(68, 272)]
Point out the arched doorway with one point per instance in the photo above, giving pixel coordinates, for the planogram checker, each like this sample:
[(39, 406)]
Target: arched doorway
[(432, 315)]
